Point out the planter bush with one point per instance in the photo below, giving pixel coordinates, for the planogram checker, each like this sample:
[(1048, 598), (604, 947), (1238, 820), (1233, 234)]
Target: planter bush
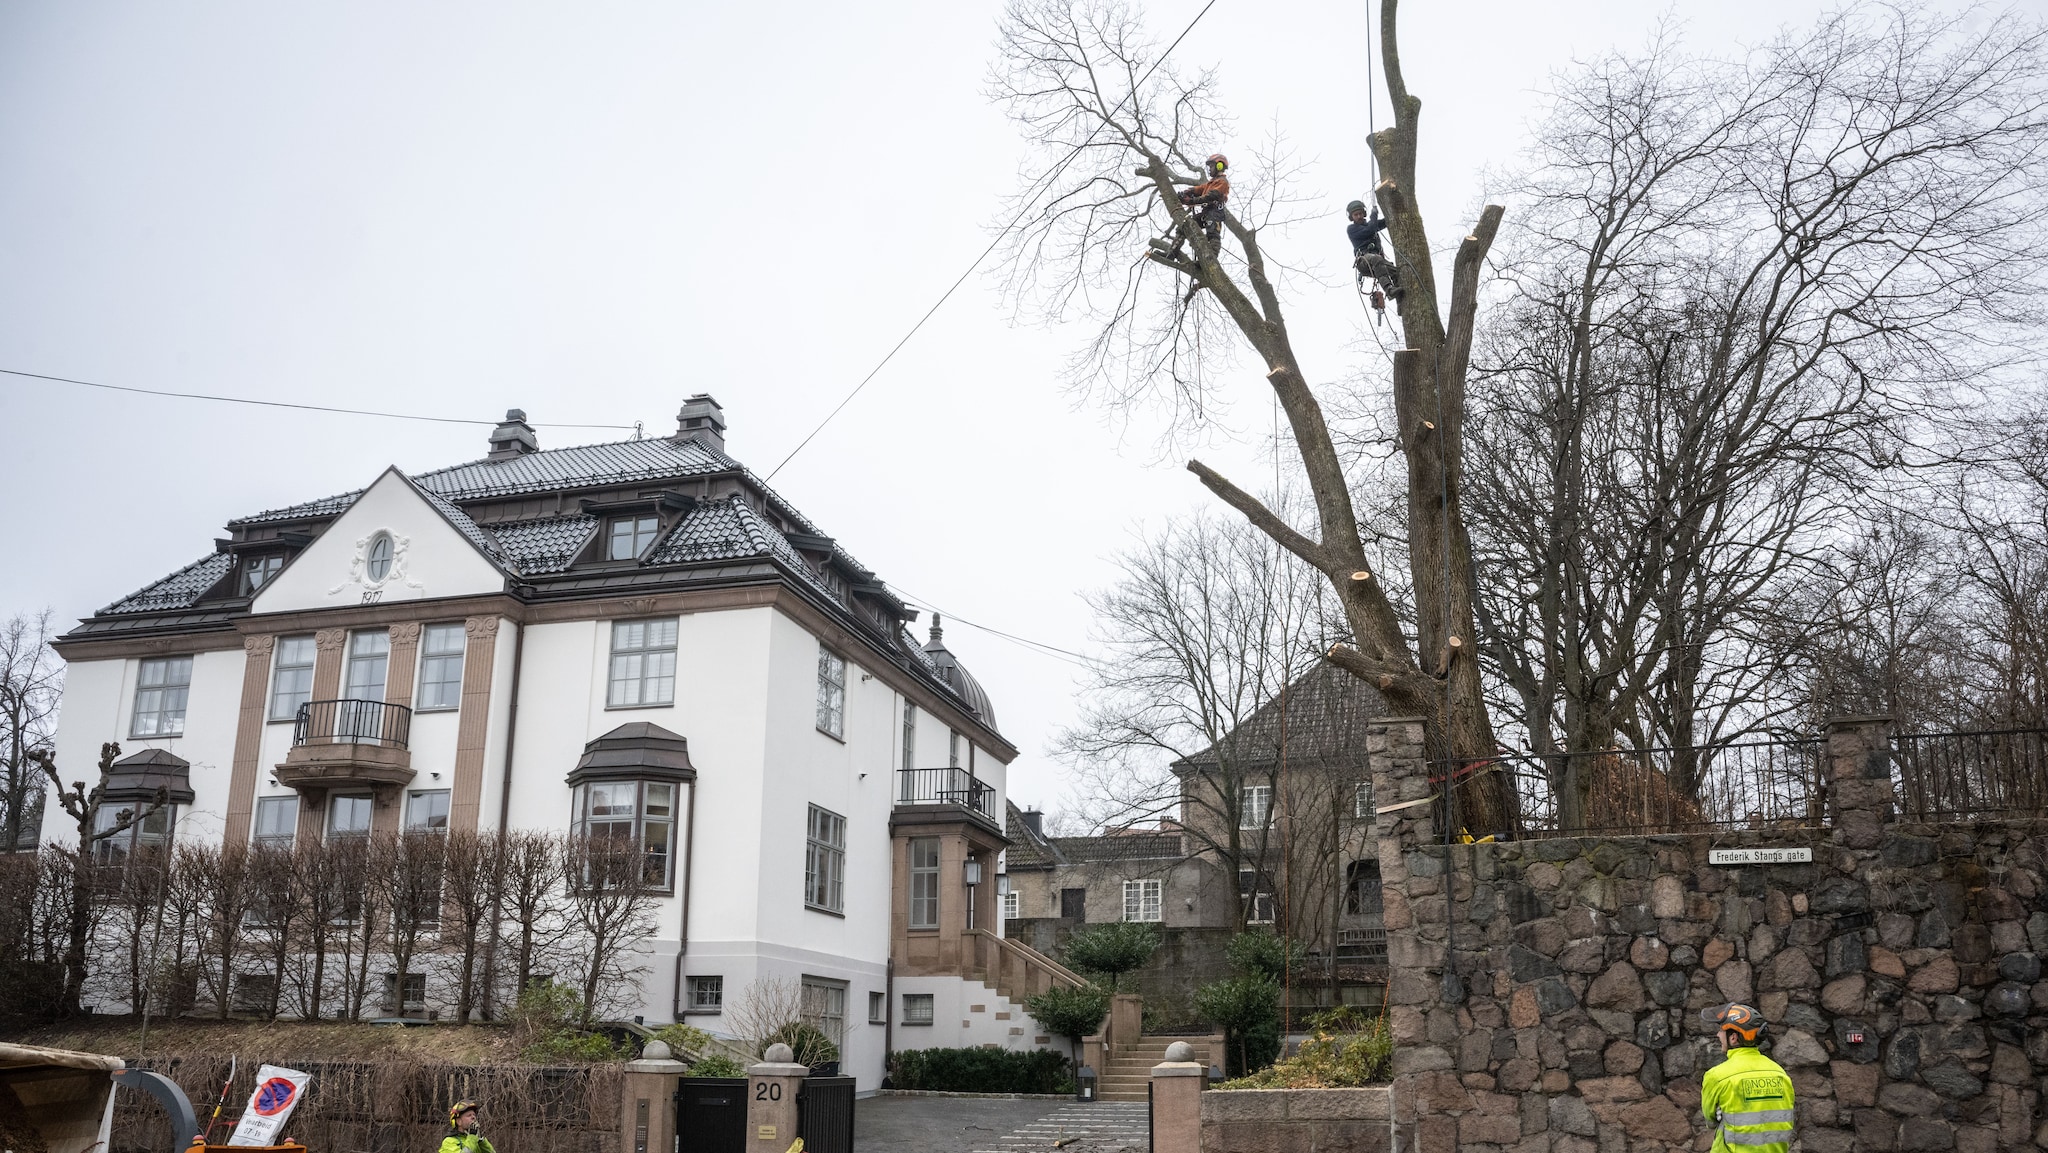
[(981, 1071)]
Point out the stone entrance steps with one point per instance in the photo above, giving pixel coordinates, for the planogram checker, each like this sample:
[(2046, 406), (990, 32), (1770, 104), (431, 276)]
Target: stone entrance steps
[(1130, 1070)]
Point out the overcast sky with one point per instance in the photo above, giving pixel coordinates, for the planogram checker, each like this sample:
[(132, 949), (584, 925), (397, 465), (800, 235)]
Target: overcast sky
[(592, 210)]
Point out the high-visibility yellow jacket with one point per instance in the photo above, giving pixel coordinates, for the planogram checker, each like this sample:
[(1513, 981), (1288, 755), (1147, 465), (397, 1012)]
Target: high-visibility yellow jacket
[(466, 1143), (1749, 1098)]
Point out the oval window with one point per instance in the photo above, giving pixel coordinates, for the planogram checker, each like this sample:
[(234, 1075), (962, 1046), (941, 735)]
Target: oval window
[(377, 565)]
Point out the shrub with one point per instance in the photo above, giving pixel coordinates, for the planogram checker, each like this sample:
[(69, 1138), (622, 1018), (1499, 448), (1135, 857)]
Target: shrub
[(684, 1041), (718, 1065), (808, 1042), (1069, 1011), (1112, 949), (546, 1016), (1331, 1059), (981, 1071), (1247, 1009), (1263, 954)]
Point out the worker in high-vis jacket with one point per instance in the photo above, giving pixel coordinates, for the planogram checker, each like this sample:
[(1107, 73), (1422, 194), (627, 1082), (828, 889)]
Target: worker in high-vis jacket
[(1748, 1096)]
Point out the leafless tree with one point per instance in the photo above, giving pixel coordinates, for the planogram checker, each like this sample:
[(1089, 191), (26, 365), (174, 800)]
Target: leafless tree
[(349, 862), (1118, 134), (279, 904), (1213, 679), (221, 873), (95, 829), (133, 924), (611, 906), (324, 917), (1742, 295), (407, 872), (535, 907), (771, 1007), (31, 685), (473, 894)]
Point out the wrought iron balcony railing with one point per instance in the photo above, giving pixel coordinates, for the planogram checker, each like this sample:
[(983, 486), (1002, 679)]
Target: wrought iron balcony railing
[(352, 722), (945, 787)]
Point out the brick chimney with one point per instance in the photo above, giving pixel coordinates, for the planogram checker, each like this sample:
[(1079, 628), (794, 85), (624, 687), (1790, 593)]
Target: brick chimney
[(514, 437), (1035, 821), (703, 421)]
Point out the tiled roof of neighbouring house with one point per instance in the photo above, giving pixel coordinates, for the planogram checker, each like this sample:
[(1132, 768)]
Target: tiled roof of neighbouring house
[(1121, 847), (1326, 712), (177, 590), (1027, 849)]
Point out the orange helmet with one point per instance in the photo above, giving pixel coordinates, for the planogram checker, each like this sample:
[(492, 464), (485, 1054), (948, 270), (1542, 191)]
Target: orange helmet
[(1735, 1018), (1216, 163)]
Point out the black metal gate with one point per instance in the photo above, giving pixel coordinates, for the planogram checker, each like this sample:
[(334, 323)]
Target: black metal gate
[(824, 1114), (711, 1115)]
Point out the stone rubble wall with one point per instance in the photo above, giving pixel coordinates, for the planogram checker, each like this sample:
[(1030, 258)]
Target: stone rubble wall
[(1586, 962), (1294, 1121)]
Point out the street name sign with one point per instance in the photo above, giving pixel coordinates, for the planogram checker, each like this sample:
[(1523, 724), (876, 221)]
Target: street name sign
[(1759, 856)]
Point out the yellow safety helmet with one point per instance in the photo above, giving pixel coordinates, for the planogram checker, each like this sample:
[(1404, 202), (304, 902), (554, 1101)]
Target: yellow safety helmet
[(456, 1111)]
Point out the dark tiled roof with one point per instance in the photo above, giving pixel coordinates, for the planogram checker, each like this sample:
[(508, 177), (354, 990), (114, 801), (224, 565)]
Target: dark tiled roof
[(1027, 850), (1326, 715), (1121, 847), (547, 545), (484, 542), (325, 506), (718, 530), (556, 469), (178, 590)]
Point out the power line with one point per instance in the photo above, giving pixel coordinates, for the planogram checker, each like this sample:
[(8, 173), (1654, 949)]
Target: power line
[(1000, 237), (1039, 647), (283, 403)]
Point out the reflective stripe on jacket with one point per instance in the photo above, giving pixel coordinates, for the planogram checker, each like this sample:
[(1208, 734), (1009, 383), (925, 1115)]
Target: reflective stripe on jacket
[(1748, 1098)]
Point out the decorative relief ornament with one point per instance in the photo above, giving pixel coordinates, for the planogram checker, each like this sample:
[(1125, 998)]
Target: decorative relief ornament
[(380, 564)]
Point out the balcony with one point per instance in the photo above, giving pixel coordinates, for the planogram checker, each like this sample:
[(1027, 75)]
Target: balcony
[(349, 744), (946, 788)]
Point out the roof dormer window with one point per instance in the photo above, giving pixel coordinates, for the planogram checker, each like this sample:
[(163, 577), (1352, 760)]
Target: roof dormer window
[(631, 536), (257, 571)]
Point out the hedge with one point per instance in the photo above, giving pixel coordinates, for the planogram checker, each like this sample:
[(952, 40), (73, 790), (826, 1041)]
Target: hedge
[(981, 1071)]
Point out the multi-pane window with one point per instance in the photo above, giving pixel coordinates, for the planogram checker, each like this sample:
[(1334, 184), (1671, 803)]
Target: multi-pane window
[(825, 861), (257, 571), (1255, 806), (639, 814), (160, 695), (909, 735), (1010, 905), (1257, 897), (1361, 801), (441, 649), (348, 815), (953, 748), (704, 994), (643, 663), (377, 562), (831, 692), (823, 1006), (277, 821), (427, 811), (291, 676), (1142, 901), (924, 883), (407, 994), (369, 662), (878, 1009), (631, 535), (1362, 888), (150, 834), (917, 1008)]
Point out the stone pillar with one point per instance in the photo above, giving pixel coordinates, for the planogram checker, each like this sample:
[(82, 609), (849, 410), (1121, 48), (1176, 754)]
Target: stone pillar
[(327, 659), (1859, 780), (473, 726), (1412, 892), (248, 739), (1126, 1020), (1177, 1101), (403, 664), (648, 1110), (772, 1087)]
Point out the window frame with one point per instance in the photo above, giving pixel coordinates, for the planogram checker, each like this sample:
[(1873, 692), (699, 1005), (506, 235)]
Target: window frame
[(1255, 799), (284, 840), (1012, 906), (816, 1011), (432, 660), (926, 1001), (120, 849), (640, 542), (311, 657), (1361, 801), (921, 877), (909, 733), (694, 988), (334, 805), (161, 693), (1079, 895), (825, 861), (831, 693), (267, 566), (649, 654), (1150, 891), (639, 820), (412, 796), (878, 1007), (1255, 894)]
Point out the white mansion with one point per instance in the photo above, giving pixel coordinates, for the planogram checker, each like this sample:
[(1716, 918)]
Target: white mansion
[(631, 634)]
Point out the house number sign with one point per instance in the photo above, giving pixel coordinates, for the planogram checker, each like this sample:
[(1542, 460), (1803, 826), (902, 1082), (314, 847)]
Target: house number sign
[(1759, 856)]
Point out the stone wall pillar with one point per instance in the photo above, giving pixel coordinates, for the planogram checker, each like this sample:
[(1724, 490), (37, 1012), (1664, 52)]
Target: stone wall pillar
[(1412, 874), (1858, 767), (1177, 1101), (772, 1087), (248, 738), (648, 1108), (1126, 1020)]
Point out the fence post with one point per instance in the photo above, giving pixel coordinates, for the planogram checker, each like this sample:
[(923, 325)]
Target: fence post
[(1859, 779), (1177, 1101), (772, 1087), (647, 1119)]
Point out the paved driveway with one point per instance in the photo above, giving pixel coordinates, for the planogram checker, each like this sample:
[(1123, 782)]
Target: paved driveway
[(986, 1125)]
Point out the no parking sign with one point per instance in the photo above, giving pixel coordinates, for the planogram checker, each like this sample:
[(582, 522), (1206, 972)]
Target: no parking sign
[(277, 1093)]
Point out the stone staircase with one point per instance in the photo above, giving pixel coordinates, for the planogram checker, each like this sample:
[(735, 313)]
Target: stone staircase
[(1130, 1068)]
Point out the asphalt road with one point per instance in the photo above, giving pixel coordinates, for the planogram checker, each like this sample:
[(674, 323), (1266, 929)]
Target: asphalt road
[(970, 1124)]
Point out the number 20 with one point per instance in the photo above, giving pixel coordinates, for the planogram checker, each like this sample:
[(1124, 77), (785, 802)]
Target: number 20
[(768, 1091)]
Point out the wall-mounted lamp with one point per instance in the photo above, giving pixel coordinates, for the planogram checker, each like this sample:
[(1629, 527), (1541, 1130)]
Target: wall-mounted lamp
[(436, 776), (973, 872), (273, 782)]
